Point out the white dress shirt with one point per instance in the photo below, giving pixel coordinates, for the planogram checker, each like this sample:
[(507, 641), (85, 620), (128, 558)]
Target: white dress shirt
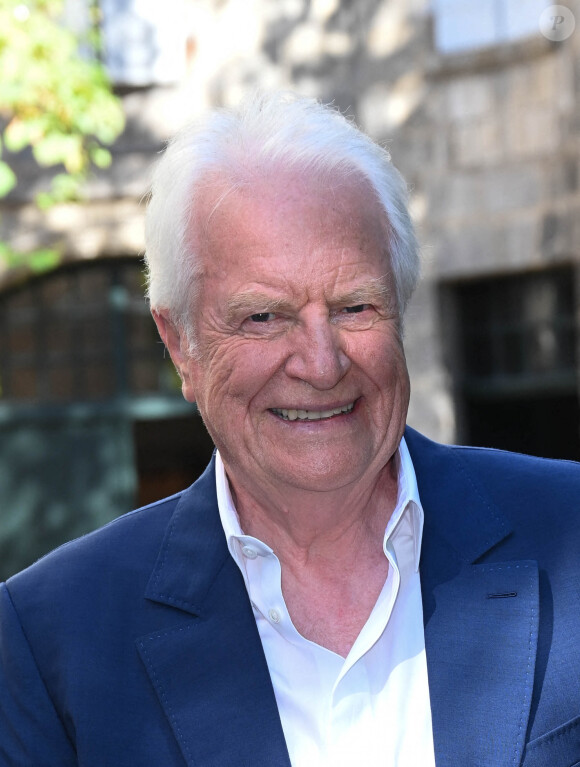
[(371, 708)]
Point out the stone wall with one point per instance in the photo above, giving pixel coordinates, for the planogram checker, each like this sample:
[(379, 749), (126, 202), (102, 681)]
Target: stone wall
[(489, 142)]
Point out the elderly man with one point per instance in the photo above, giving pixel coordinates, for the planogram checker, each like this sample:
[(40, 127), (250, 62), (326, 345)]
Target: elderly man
[(330, 592)]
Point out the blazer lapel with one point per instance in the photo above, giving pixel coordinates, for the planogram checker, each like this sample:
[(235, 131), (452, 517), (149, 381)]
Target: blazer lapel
[(481, 618), (209, 670)]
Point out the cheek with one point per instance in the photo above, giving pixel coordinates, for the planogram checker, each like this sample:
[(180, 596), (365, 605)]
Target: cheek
[(385, 368), (236, 373), (380, 356), (394, 371)]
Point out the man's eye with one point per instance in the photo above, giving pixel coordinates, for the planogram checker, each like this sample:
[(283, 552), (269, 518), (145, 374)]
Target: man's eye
[(356, 309), (262, 317)]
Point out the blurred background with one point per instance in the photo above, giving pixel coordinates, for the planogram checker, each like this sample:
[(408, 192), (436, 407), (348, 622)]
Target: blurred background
[(478, 103)]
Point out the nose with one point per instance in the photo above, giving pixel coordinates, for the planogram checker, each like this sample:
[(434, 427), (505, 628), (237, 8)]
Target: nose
[(317, 354)]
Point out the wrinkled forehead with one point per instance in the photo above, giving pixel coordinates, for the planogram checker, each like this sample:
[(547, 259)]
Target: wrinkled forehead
[(296, 196)]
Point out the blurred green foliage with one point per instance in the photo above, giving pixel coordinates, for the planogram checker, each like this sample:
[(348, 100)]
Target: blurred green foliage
[(55, 99)]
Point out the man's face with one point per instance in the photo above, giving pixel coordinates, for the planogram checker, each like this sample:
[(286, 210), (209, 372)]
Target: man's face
[(301, 377)]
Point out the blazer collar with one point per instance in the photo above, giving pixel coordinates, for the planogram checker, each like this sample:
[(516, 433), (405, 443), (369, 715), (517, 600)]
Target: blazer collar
[(193, 551), (480, 613), (460, 510), (458, 516)]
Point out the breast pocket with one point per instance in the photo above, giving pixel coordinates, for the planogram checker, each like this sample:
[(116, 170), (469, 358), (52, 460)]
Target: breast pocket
[(557, 748)]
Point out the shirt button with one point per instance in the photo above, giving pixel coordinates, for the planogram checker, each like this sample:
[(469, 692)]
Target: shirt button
[(274, 616), (249, 552)]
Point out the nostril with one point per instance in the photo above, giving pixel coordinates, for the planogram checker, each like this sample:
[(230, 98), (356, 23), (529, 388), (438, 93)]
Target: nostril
[(317, 356)]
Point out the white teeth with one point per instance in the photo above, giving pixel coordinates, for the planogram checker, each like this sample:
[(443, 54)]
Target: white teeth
[(311, 415)]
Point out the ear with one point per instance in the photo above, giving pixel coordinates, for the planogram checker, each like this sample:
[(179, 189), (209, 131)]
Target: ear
[(177, 347)]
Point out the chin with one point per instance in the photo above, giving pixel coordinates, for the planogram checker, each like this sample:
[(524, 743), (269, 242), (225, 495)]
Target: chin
[(320, 480)]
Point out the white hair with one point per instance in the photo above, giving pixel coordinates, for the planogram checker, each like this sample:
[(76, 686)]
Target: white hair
[(267, 131)]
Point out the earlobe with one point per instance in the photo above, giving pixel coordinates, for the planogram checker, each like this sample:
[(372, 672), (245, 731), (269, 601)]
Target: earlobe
[(172, 338)]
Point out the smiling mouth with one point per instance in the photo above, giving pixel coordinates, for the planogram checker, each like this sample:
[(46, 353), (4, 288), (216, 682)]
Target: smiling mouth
[(311, 415)]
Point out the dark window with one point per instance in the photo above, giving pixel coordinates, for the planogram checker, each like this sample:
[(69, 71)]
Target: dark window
[(92, 421), (170, 454), (83, 332), (517, 362)]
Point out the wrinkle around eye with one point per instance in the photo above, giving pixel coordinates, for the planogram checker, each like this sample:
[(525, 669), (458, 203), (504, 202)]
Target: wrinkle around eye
[(359, 317), (263, 324), (356, 309), (356, 313)]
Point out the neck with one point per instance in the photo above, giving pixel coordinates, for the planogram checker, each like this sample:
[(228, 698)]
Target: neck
[(330, 547), (307, 526)]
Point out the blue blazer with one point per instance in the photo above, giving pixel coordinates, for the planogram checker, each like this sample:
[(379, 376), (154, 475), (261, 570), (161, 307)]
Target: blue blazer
[(136, 646)]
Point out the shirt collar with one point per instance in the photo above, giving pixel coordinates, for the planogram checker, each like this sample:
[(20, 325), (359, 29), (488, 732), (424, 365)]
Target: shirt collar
[(407, 501), (235, 537)]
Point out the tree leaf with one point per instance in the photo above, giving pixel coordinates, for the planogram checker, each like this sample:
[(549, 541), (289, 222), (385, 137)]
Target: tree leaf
[(8, 179), (43, 260), (100, 156), (56, 98), (20, 133), (57, 148)]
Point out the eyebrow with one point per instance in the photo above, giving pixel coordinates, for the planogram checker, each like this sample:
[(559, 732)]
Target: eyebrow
[(252, 300), (374, 291)]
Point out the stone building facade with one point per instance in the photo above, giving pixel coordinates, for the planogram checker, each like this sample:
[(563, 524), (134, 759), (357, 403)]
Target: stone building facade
[(478, 104)]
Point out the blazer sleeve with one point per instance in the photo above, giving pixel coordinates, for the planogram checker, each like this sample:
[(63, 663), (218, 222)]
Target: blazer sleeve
[(31, 732)]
